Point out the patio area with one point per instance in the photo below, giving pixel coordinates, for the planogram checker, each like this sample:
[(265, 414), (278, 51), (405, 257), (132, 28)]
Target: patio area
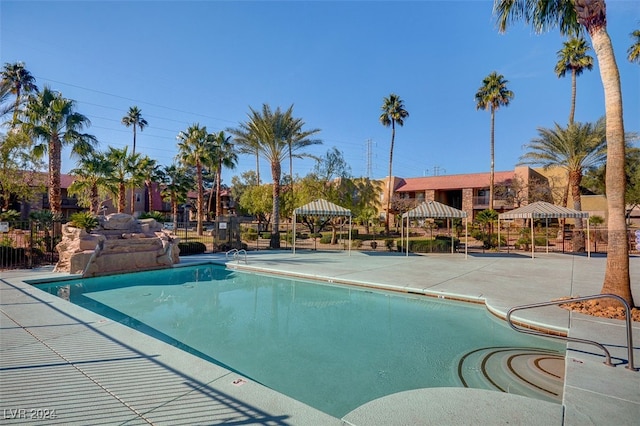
[(62, 364)]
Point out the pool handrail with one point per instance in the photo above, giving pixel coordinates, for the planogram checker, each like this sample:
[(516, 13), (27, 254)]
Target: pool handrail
[(235, 253), (630, 363)]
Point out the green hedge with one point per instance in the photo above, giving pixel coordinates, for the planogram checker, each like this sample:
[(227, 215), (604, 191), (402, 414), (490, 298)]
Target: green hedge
[(437, 245), (191, 247)]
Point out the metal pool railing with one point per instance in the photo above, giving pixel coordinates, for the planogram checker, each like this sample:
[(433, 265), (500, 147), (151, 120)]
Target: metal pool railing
[(236, 254), (630, 363)]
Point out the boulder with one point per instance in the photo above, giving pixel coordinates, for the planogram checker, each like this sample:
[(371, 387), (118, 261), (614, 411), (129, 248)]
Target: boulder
[(120, 244)]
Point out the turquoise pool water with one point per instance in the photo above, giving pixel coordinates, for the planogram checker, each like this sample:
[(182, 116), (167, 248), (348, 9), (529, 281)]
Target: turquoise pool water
[(331, 347)]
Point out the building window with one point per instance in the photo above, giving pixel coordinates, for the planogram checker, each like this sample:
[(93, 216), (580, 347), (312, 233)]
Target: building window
[(138, 198)]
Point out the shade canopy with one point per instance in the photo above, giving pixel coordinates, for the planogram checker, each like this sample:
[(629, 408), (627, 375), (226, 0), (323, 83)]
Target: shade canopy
[(434, 209), (543, 210), (321, 208)]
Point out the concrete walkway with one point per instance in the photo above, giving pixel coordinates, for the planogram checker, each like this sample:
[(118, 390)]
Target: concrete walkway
[(59, 360)]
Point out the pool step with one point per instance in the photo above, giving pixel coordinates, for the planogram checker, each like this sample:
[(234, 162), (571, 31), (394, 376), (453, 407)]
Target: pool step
[(532, 372)]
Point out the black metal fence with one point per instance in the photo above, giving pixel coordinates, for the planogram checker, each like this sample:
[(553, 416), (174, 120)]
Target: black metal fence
[(28, 244)]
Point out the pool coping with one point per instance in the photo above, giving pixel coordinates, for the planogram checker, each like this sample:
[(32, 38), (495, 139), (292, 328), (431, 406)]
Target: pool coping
[(594, 394)]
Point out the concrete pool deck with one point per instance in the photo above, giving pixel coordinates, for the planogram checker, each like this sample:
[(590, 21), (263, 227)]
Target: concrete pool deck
[(60, 360)]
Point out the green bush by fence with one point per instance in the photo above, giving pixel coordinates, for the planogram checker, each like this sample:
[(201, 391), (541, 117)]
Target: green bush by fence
[(191, 247)]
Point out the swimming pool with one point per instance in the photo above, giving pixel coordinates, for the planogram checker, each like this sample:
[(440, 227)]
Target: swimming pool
[(331, 347)]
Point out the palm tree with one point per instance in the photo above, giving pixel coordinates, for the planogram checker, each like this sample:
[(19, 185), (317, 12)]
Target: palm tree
[(121, 163), (194, 149), (150, 171), (572, 17), (634, 50), (176, 182), (493, 94), (295, 128), (136, 165), (134, 118), (224, 156), (575, 148), (272, 133), (53, 120), (393, 113), (91, 179), (573, 57), (20, 81)]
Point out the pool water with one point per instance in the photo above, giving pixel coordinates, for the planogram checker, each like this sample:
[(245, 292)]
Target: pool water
[(332, 347)]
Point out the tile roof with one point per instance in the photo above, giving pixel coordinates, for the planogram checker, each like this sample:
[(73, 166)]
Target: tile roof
[(445, 182)]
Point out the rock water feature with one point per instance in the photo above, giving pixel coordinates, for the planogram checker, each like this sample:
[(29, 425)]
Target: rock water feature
[(121, 243)]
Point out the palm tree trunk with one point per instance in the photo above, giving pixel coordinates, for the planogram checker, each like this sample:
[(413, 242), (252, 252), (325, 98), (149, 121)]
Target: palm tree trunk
[(276, 170), (122, 197), (218, 184), (55, 165), (390, 181), (573, 96), (575, 176), (133, 199), (133, 151), (491, 148), (616, 279), (95, 200), (174, 212), (200, 200), (149, 186), (258, 167)]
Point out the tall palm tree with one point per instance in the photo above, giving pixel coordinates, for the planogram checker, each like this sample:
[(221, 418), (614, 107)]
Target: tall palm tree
[(224, 155), (52, 119), (134, 118), (572, 17), (151, 172), (493, 94), (573, 57), (272, 133), (121, 162), (633, 53), (393, 112), (194, 149), (92, 177), (575, 148), (21, 82), (136, 165), (176, 182), (295, 126)]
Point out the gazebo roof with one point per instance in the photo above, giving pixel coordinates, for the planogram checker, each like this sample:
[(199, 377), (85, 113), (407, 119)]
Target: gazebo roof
[(322, 207), (433, 209), (542, 210)]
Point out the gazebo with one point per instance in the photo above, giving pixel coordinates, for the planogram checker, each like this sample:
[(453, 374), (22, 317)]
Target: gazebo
[(435, 210), (321, 208), (544, 210)]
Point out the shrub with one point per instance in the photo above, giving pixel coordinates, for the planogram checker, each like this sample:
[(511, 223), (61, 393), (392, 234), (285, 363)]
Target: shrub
[(265, 235), (84, 220), (249, 234), (9, 216), (325, 239), (356, 243), (159, 217), (438, 245), (191, 247), (388, 243)]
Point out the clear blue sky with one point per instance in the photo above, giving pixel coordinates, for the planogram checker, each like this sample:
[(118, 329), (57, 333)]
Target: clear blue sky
[(207, 62)]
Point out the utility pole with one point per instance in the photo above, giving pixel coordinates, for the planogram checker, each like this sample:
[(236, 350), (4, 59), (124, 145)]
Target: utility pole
[(369, 147)]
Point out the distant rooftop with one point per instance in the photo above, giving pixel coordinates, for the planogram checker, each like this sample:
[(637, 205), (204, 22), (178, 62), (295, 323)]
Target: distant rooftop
[(448, 182)]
